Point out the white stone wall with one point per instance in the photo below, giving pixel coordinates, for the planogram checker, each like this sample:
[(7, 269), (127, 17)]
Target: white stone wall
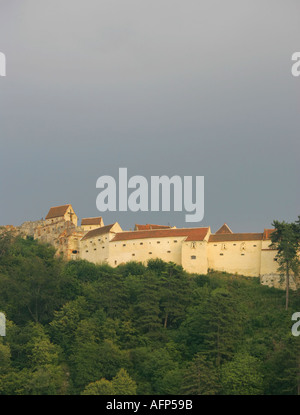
[(241, 257)]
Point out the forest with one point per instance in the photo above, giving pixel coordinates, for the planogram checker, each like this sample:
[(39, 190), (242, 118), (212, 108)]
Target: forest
[(75, 328)]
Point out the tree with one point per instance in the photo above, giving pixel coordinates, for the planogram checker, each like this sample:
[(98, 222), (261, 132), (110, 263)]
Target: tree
[(100, 387), (286, 239), (201, 377), (123, 384), (147, 307), (175, 292), (242, 376)]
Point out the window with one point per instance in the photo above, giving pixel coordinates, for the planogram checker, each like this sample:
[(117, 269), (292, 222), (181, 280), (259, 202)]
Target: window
[(169, 252), (141, 243), (74, 252), (158, 242), (254, 246), (193, 257), (86, 251), (221, 254), (175, 242), (150, 253), (124, 244), (242, 254), (115, 262), (133, 254)]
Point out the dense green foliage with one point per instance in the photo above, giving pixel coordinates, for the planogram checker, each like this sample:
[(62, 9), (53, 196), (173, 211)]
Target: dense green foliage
[(79, 328), (286, 240)]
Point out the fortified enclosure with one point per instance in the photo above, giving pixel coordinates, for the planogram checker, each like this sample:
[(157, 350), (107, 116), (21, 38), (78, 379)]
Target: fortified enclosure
[(196, 249)]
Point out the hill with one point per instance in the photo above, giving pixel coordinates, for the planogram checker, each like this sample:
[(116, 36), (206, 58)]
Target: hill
[(79, 328)]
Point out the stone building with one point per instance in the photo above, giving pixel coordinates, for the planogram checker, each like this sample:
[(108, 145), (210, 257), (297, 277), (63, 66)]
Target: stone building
[(197, 250), (88, 224), (61, 213)]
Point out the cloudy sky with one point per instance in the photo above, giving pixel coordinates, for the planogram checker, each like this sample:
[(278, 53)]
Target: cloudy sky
[(162, 87)]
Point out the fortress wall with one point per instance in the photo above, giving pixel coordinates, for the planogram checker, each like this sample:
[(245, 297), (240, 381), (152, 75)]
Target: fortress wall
[(194, 256), (242, 257), (268, 265), (96, 249), (141, 250)]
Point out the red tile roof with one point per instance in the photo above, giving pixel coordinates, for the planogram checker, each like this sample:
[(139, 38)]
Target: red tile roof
[(191, 234), (149, 226), (224, 229), (236, 237), (98, 232), (57, 211), (92, 221)]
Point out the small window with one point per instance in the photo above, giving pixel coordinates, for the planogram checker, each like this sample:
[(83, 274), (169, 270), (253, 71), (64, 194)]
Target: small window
[(86, 251), (215, 245), (141, 243), (158, 242), (221, 254), (193, 257), (242, 254), (175, 241), (95, 249), (150, 253), (254, 246), (115, 262), (133, 254), (169, 252), (124, 244), (234, 244), (74, 252)]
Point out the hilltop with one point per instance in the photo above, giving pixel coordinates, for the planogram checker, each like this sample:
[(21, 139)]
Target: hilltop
[(76, 327)]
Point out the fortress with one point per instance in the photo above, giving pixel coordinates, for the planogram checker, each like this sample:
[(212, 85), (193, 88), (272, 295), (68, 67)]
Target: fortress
[(197, 250)]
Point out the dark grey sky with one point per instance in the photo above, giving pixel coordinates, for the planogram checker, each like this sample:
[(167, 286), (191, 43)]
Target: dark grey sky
[(160, 87)]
